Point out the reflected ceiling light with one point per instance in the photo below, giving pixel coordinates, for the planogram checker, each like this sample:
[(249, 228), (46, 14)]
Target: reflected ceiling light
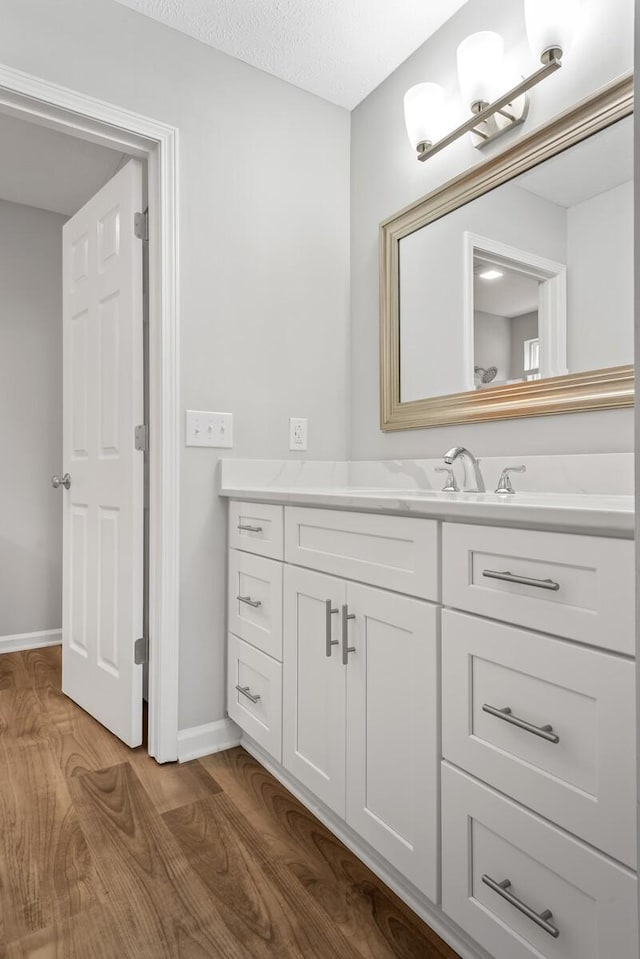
[(550, 26), (490, 274)]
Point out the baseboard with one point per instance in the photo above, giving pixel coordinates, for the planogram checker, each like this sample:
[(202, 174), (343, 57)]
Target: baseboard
[(428, 911), (23, 641), (203, 740)]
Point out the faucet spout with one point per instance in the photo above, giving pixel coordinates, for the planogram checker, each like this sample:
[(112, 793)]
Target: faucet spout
[(468, 460)]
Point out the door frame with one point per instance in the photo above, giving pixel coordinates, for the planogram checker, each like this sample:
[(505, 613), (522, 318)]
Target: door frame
[(68, 111)]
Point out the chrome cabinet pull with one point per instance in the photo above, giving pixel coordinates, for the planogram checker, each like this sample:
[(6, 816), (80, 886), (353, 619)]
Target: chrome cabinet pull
[(346, 649), (249, 602), (329, 612), (544, 732), (523, 580), (540, 918), (250, 529), (57, 481), (245, 690)]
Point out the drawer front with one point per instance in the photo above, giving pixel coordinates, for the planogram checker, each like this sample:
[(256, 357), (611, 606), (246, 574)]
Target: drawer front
[(581, 587), (396, 552), (256, 528), (585, 781), (592, 900), (257, 705), (255, 601)]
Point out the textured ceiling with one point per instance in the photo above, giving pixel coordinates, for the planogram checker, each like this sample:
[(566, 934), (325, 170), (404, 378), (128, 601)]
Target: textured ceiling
[(339, 49), (49, 170)]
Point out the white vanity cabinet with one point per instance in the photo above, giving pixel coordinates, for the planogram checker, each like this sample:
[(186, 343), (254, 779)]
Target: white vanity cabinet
[(457, 701), (539, 732), (360, 715)]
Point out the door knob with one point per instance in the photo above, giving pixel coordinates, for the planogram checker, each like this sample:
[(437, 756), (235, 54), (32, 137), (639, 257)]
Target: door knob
[(57, 482)]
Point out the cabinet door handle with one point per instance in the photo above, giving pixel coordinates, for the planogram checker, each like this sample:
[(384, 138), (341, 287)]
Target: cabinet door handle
[(540, 918), (544, 732), (329, 612), (346, 649), (523, 580), (249, 602), (245, 690), (250, 529)]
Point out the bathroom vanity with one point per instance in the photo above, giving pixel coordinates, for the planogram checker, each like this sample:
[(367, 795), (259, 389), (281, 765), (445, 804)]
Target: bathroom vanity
[(448, 682)]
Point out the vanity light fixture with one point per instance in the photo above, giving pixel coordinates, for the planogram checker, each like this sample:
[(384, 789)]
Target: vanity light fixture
[(550, 24)]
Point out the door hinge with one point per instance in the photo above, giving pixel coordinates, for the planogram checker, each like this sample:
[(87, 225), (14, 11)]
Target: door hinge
[(141, 438), (141, 651), (141, 225)]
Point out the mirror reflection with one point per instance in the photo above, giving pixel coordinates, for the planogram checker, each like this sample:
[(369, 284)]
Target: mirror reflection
[(506, 339), (531, 280)]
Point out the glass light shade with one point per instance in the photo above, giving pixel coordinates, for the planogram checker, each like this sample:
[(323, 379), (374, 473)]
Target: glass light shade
[(480, 71), (550, 24), (423, 113)]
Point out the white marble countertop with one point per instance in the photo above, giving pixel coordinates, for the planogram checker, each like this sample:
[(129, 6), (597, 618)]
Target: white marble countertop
[(575, 512)]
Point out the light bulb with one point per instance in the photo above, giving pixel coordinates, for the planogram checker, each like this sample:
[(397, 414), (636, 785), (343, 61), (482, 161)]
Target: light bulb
[(423, 114), (550, 25), (480, 67)]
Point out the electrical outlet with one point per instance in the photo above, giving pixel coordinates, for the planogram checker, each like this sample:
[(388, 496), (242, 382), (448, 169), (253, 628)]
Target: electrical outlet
[(209, 429), (297, 434)]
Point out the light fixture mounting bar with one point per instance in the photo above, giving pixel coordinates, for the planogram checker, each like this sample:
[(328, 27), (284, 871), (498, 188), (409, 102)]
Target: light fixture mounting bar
[(471, 126)]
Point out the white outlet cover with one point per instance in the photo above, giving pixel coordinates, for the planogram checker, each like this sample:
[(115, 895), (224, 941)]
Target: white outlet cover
[(297, 434), (204, 428)]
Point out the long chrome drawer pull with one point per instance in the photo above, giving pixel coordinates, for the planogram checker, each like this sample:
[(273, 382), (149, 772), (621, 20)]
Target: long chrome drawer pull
[(544, 732), (250, 529), (540, 918), (249, 602), (330, 611), (523, 580), (245, 692), (346, 649)]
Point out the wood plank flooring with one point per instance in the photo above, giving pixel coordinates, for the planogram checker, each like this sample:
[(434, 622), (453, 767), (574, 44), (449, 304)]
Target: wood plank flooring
[(106, 855)]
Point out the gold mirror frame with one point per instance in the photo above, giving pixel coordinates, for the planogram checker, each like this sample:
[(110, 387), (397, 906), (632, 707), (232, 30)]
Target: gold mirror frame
[(594, 390)]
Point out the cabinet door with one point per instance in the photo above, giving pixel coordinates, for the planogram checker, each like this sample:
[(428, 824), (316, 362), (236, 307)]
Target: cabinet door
[(392, 730), (314, 683)]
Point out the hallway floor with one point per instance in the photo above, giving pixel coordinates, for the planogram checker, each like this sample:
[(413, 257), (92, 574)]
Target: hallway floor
[(106, 855)]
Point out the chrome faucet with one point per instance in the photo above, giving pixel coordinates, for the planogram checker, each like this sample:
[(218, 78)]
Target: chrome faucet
[(460, 452)]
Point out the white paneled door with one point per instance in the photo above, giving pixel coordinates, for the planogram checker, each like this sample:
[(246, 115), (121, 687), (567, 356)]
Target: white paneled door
[(103, 507)]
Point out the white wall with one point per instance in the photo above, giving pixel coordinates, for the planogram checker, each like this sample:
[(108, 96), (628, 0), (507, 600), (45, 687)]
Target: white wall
[(264, 261), (600, 280), (386, 177), (492, 343), (30, 419)]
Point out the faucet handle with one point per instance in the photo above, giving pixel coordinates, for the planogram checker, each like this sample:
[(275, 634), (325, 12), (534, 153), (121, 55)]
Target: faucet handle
[(504, 485), (450, 485)]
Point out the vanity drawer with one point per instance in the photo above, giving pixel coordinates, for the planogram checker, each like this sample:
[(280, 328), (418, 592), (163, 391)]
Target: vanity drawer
[(255, 601), (581, 587), (396, 552), (256, 528), (585, 782), (593, 900), (258, 708)]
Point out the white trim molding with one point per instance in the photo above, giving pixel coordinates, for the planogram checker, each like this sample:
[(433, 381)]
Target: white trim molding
[(23, 641), (204, 740), (87, 118)]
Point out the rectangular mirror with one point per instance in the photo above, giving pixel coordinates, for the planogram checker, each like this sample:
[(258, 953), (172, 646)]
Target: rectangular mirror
[(509, 291)]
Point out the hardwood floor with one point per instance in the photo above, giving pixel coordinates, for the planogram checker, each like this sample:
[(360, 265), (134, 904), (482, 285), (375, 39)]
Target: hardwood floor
[(106, 855)]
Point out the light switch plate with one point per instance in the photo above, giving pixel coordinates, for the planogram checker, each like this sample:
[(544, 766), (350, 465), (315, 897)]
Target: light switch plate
[(209, 429)]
